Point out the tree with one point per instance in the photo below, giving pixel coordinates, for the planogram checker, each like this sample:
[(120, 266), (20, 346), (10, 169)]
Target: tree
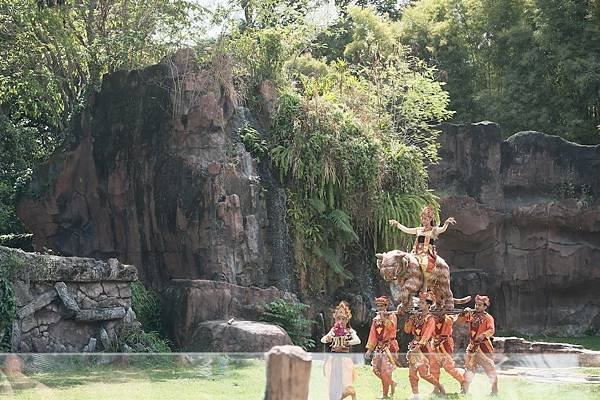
[(524, 64)]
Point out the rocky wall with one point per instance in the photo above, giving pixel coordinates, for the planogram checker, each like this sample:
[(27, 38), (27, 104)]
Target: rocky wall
[(528, 226)]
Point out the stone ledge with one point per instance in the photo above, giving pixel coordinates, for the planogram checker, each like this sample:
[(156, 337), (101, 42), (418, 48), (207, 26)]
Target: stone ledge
[(48, 268)]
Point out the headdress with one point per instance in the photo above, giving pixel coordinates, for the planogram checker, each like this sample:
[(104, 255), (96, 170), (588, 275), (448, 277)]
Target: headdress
[(382, 301), (484, 299), (428, 210), (342, 311)]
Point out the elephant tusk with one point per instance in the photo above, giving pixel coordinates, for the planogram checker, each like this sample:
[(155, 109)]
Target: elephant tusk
[(462, 300)]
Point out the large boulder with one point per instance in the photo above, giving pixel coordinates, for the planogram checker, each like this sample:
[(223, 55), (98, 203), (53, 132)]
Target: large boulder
[(188, 303), (236, 337)]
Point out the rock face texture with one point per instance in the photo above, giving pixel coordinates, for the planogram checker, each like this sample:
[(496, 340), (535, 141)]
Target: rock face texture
[(157, 178), (68, 304), (528, 226)]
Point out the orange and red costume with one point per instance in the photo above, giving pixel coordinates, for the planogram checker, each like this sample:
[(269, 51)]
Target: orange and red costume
[(443, 345), (420, 350), (382, 342), (480, 352)]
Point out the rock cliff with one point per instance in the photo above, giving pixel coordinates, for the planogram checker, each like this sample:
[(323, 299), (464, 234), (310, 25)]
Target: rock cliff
[(528, 226)]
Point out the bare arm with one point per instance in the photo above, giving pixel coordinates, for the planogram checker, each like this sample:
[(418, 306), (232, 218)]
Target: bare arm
[(410, 231), (448, 222)]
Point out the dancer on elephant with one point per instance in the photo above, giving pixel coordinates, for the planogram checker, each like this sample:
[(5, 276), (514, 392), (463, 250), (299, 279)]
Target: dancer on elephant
[(480, 351), (443, 346), (339, 370), (426, 235), (421, 356), (383, 346)]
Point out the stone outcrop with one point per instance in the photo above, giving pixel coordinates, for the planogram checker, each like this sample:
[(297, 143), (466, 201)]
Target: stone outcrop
[(528, 226), (189, 303), (237, 336), (157, 176), (67, 304), (521, 352)]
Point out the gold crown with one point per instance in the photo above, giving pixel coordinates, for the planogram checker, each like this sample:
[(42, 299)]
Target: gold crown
[(428, 210), (382, 301), (342, 310)]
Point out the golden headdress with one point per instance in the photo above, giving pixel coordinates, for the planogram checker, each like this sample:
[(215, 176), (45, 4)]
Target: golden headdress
[(342, 311), (484, 299), (428, 210)]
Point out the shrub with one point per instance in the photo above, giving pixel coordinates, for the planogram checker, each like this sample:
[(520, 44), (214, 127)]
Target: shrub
[(290, 317)]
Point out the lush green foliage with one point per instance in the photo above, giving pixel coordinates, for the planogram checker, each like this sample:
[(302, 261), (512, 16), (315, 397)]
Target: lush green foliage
[(525, 64), (290, 317), (51, 57), (143, 341), (350, 138), (146, 305), (21, 147), (149, 337), (8, 305)]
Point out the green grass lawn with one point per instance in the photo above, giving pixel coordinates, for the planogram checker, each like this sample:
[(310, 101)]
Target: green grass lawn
[(246, 380)]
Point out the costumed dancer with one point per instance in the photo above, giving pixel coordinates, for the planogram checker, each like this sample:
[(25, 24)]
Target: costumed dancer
[(427, 234), (480, 351), (383, 346), (339, 370), (443, 346), (420, 350)]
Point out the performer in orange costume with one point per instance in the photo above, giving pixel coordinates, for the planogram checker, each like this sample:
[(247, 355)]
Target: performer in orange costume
[(480, 351), (420, 350), (382, 344), (443, 345)]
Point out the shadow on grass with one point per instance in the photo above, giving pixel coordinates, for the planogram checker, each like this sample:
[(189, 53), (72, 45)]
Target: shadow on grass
[(73, 373)]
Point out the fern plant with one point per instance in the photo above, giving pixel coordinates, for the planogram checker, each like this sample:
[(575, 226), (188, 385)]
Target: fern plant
[(290, 317)]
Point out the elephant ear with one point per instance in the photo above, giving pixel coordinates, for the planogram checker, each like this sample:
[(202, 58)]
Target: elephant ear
[(379, 260)]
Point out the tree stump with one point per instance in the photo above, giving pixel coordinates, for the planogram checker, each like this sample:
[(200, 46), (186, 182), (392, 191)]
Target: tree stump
[(288, 373)]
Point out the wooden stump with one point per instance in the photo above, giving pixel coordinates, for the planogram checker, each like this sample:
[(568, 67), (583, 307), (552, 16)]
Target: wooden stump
[(288, 373)]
